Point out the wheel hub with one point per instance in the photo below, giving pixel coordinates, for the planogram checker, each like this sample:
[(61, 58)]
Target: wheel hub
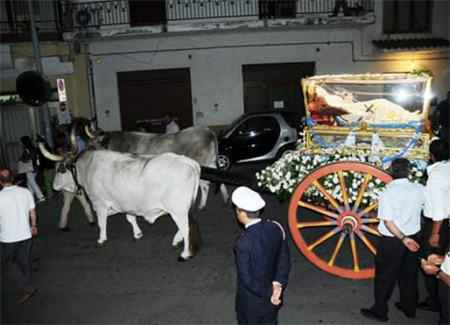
[(349, 222)]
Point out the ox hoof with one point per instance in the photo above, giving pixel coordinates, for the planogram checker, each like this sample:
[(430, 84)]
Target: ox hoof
[(138, 237), (100, 244), (177, 246), (182, 259)]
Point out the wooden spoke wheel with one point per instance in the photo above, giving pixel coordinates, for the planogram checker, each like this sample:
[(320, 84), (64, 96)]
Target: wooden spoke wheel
[(321, 231)]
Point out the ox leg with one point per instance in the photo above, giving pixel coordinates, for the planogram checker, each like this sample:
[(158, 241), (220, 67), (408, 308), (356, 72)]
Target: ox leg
[(183, 228), (102, 217), (204, 189), (223, 190), (177, 240), (137, 233)]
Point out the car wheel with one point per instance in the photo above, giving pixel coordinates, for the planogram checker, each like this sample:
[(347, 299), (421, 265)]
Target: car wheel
[(224, 162)]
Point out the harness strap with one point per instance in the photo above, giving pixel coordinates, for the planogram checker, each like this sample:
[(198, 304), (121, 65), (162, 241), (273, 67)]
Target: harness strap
[(106, 139), (72, 168)]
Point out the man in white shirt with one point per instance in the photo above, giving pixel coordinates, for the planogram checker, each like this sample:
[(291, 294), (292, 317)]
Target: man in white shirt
[(17, 210), (439, 266), (396, 261), (435, 231), (171, 125)]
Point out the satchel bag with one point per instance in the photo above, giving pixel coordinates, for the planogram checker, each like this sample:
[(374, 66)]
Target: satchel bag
[(25, 167), (64, 181)]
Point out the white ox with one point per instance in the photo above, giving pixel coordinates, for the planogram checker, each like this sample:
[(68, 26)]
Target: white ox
[(197, 142), (148, 186)]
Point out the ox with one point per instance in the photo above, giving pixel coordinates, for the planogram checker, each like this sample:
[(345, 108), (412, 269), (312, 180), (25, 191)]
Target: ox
[(148, 186), (198, 143)]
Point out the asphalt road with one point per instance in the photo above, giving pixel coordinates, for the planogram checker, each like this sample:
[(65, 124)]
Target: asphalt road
[(127, 282)]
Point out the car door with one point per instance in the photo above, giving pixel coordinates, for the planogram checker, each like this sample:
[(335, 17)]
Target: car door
[(255, 137)]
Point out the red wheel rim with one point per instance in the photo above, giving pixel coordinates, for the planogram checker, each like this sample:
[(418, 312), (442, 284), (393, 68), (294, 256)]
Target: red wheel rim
[(347, 221)]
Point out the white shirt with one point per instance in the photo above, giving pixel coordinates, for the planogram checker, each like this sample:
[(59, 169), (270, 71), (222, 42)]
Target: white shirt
[(437, 192), (402, 203), (253, 222), (172, 127), (445, 267), (15, 205)]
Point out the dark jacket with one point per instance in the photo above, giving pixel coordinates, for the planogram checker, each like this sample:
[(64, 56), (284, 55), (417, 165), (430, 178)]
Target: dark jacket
[(30, 154), (262, 256)]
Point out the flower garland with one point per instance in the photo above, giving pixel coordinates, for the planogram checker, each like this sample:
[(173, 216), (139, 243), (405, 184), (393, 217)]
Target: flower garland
[(282, 177)]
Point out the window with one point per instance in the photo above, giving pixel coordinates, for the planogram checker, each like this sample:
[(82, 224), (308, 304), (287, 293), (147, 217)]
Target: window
[(406, 16)]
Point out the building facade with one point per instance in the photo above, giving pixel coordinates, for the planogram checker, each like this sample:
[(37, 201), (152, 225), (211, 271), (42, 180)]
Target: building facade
[(208, 61)]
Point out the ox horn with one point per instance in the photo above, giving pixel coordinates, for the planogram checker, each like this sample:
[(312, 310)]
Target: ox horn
[(47, 154), (93, 124), (88, 132)]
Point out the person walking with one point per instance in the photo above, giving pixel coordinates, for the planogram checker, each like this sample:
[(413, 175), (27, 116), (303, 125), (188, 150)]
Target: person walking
[(171, 125), (30, 153), (439, 267), (18, 223), (435, 233), (396, 261), (338, 4), (443, 112), (262, 260), (64, 182)]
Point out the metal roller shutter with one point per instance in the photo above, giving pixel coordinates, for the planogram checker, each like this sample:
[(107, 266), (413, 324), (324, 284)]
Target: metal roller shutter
[(149, 95)]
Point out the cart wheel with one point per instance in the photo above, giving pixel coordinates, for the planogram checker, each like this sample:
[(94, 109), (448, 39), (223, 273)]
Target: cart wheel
[(348, 218)]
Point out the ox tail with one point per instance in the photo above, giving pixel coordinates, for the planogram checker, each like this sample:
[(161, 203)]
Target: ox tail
[(197, 171), (195, 238)]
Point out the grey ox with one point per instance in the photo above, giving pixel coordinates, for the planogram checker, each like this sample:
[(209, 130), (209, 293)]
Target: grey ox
[(148, 186), (197, 142)]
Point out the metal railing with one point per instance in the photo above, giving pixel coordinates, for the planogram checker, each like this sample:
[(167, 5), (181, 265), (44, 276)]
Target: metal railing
[(14, 16), (65, 15), (95, 14)]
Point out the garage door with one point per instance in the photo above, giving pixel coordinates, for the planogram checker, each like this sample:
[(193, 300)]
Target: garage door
[(149, 95)]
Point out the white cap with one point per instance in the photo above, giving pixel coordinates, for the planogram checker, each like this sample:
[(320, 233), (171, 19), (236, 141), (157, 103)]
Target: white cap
[(248, 200)]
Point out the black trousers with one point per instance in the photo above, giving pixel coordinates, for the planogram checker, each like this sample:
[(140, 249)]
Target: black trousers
[(16, 264), (431, 283), (338, 4), (395, 263), (444, 299), (271, 318)]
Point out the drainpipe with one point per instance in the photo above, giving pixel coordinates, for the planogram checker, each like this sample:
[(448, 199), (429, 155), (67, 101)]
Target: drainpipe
[(92, 91), (37, 57)]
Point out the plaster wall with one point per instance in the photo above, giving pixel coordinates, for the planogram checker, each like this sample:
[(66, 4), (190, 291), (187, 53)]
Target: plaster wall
[(215, 61), (59, 61)]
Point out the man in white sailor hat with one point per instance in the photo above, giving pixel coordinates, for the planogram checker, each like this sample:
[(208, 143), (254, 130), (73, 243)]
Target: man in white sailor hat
[(262, 260)]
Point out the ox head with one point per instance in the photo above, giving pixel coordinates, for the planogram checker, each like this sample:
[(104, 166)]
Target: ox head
[(65, 158), (97, 137)]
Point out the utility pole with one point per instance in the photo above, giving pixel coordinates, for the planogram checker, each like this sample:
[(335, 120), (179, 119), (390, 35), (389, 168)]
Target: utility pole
[(37, 57)]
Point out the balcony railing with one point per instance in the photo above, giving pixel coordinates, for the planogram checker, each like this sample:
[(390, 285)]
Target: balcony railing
[(64, 15), (15, 18)]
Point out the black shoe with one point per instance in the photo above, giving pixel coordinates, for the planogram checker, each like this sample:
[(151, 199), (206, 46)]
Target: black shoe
[(65, 229), (427, 306), (408, 313), (26, 297), (369, 313)]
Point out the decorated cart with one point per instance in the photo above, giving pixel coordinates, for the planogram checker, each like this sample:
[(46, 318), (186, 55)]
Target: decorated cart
[(356, 125)]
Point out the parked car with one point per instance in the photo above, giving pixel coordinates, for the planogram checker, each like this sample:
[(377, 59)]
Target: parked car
[(256, 137)]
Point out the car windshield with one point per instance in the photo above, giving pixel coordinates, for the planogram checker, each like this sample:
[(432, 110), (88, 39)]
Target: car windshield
[(233, 124)]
